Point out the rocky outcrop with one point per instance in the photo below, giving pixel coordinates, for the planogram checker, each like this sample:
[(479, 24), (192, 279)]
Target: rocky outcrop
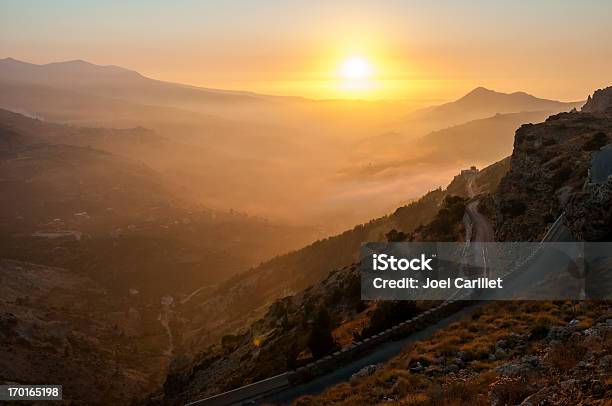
[(550, 173), (601, 102), (591, 211)]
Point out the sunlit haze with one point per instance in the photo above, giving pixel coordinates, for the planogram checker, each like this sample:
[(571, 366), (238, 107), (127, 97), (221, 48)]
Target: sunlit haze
[(421, 51), (305, 202)]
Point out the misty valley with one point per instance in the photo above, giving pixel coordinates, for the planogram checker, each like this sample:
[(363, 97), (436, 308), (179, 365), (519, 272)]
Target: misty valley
[(165, 243)]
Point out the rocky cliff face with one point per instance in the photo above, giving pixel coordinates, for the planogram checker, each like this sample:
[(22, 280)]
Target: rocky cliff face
[(601, 102), (551, 174)]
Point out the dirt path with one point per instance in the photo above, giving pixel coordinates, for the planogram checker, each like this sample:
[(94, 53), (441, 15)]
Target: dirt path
[(164, 319)]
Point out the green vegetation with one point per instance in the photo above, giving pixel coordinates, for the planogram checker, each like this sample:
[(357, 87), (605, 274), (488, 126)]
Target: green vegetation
[(540, 328), (320, 340), (447, 224), (388, 314)]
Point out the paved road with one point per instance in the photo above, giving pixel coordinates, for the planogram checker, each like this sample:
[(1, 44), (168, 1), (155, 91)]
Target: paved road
[(482, 230)]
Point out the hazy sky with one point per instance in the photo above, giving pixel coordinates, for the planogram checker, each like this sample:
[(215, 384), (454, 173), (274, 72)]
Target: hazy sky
[(419, 50)]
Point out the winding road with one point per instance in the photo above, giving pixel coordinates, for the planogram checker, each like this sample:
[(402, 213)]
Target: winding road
[(482, 230), (278, 389)]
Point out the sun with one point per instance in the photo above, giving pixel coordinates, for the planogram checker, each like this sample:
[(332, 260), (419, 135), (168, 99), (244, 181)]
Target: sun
[(356, 68)]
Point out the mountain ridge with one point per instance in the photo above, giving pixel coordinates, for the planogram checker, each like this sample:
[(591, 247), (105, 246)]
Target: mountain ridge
[(9, 67), (482, 102), (83, 64)]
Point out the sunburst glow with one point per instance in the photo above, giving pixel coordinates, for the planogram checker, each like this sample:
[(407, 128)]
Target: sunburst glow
[(355, 68)]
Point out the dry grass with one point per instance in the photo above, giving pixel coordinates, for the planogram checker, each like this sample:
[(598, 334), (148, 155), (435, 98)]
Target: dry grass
[(511, 391), (343, 334), (565, 355), (476, 335)]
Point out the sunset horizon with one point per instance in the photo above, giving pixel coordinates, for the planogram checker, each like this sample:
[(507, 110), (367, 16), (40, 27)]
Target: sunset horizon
[(414, 54), (343, 85), (306, 203)]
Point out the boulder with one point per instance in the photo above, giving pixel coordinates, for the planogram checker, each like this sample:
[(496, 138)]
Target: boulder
[(365, 371), (558, 333)]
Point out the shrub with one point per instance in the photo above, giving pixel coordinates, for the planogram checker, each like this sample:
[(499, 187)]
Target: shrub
[(478, 312), (388, 314), (596, 141), (513, 208), (320, 341), (396, 236), (444, 226), (539, 329), (291, 355)]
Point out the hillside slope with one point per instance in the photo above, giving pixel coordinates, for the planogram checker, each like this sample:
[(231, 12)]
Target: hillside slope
[(51, 317), (115, 81), (521, 352), (94, 249), (330, 306)]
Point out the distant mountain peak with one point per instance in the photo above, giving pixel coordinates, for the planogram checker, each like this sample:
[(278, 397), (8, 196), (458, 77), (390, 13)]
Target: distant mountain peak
[(86, 74), (484, 95), (82, 64), (484, 92), (13, 61), (76, 71), (482, 102), (521, 93), (75, 62), (481, 90)]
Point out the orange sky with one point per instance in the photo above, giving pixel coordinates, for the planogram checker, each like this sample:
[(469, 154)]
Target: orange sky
[(419, 51)]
